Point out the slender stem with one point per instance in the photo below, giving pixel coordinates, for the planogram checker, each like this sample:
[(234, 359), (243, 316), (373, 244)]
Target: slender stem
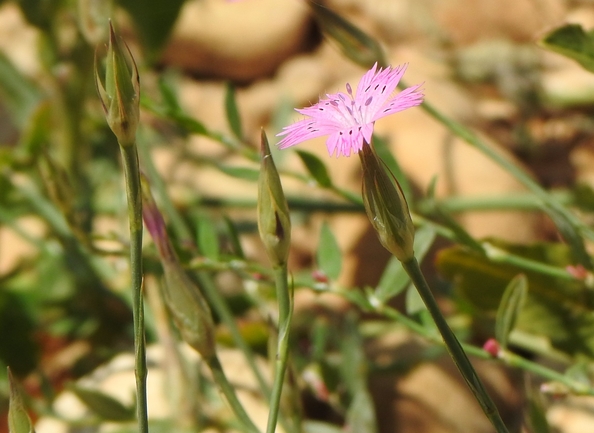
[(132, 174), (501, 256), (282, 351), (229, 392), (453, 345)]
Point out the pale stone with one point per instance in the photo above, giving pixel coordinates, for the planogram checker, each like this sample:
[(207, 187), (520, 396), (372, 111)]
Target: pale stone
[(237, 40)]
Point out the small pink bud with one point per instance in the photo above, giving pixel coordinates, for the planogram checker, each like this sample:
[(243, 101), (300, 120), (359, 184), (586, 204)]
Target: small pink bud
[(577, 271), (319, 276), (492, 347)]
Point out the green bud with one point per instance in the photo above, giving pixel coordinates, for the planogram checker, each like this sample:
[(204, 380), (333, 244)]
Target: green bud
[(185, 302), (119, 90), (18, 418), (386, 206), (274, 223), (189, 310)]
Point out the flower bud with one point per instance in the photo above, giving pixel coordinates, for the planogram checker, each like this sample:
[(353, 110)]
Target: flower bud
[(274, 223), (386, 206), (185, 302), (119, 90)]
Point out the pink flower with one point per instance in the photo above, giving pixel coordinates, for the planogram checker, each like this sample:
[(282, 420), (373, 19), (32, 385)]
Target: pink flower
[(349, 119)]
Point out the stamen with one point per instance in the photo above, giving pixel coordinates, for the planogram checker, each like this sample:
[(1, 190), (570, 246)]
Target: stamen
[(349, 89)]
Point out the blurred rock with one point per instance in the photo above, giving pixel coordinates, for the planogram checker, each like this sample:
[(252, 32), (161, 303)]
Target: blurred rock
[(117, 380), (404, 403), (572, 415), (238, 40), (466, 21)]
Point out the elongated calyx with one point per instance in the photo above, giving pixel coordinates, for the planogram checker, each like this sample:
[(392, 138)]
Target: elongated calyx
[(119, 90), (186, 304), (274, 223), (386, 206)]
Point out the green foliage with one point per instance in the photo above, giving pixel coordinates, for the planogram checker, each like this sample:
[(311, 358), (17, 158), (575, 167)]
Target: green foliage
[(154, 20), (572, 41), (555, 308), (316, 168), (512, 301), (232, 111), (395, 279), (61, 170), (208, 239), (329, 254), (102, 405)]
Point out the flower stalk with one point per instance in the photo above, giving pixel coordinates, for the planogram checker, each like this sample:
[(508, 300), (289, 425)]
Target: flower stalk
[(389, 215), (120, 100), (274, 226)]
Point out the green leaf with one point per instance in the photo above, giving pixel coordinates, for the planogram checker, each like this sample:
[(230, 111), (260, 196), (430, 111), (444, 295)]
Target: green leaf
[(571, 235), (243, 173), (234, 238), (154, 20), (395, 279), (208, 239), (39, 12), (353, 368), (18, 418), (103, 405), (353, 42), (556, 309), (20, 95), (316, 168), (509, 309), (413, 301), (572, 41), (536, 413), (232, 112), (329, 254)]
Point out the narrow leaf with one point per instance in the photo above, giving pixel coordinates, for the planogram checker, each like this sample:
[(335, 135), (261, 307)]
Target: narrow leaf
[(353, 42), (413, 301), (329, 253), (18, 419), (234, 238), (208, 240), (316, 168), (536, 413), (154, 20), (572, 41), (511, 304), (243, 173), (232, 112), (20, 95), (103, 405)]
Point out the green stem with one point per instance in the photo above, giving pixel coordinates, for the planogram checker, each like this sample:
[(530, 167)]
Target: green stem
[(499, 255), (282, 351), (229, 392), (132, 174), (456, 352)]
